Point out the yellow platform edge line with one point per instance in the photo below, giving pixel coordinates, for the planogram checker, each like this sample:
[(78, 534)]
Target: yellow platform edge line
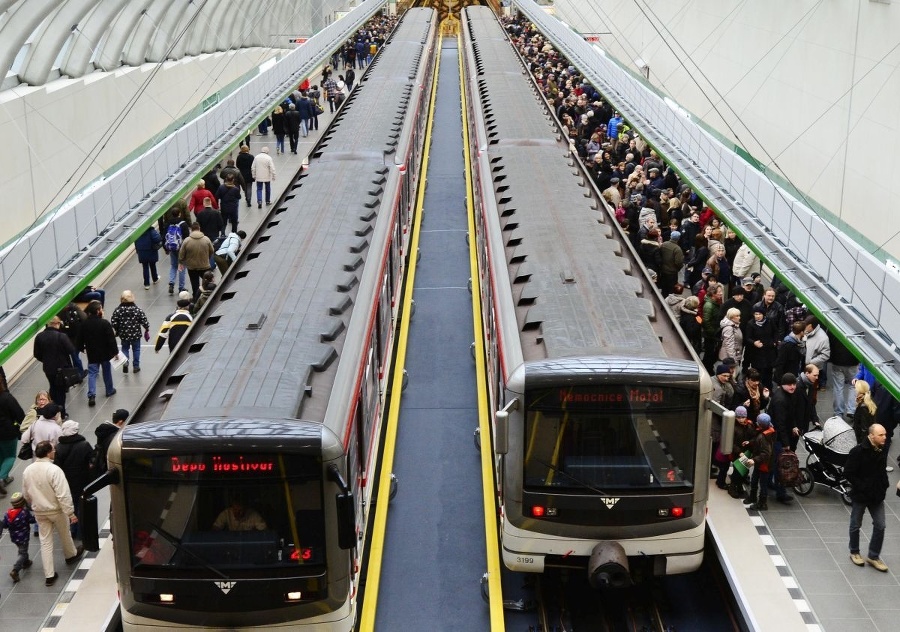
[(491, 539)]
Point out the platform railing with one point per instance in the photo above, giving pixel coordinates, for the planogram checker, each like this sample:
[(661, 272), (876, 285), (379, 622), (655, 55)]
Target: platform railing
[(857, 295), (49, 264)]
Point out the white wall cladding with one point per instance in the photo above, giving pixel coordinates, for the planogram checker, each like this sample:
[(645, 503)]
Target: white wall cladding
[(811, 85)]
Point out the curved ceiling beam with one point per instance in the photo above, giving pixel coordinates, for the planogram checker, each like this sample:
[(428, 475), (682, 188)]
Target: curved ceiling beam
[(76, 61), (169, 28), (137, 48), (109, 57), (45, 47), (216, 37), (188, 24), (20, 24)]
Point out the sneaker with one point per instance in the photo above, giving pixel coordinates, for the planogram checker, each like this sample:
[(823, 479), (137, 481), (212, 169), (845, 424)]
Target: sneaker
[(15, 576), (260, 204), (857, 559), (877, 564), (111, 393), (155, 281), (146, 287), (92, 400), (171, 288), (78, 553), (51, 580), (889, 468), (125, 367)]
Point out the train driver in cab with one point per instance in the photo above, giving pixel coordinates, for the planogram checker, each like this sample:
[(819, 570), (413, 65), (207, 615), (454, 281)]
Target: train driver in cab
[(238, 517)]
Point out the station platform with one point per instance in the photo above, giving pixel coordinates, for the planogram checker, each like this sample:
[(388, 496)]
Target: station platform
[(790, 568), (84, 597)]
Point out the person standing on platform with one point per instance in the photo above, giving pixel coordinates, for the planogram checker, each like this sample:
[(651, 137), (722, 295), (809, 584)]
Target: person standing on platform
[(762, 458), (195, 256), (818, 349), (147, 247), (293, 122), (72, 316), (279, 128), (314, 96), (176, 231), (671, 261), (263, 170), (229, 195), (17, 520), (865, 470), (105, 433), (351, 79), (842, 366), (99, 342), (47, 492), (175, 325), (128, 320), (195, 204), (11, 417), (54, 350), (305, 108), (244, 164), (73, 456)]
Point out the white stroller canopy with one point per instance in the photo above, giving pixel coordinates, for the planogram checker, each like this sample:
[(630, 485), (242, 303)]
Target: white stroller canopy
[(838, 435)]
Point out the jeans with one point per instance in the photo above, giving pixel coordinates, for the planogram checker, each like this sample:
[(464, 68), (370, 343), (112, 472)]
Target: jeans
[(842, 389), (173, 270), (76, 360), (279, 142), (8, 452), (22, 559), (760, 480), (132, 345), (94, 371), (268, 186), (856, 516), (47, 523)]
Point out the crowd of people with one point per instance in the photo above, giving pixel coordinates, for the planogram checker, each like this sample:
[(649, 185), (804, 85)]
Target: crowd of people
[(769, 357)]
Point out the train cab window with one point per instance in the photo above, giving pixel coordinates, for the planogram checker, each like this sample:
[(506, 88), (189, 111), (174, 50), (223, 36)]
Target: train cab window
[(225, 512), (593, 439)]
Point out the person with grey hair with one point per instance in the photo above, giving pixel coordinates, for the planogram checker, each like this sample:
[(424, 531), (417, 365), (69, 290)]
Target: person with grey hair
[(47, 492), (263, 169), (73, 456), (293, 123)]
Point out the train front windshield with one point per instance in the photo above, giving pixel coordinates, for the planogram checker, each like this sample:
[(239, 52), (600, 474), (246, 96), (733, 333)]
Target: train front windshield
[(594, 439), (224, 514)]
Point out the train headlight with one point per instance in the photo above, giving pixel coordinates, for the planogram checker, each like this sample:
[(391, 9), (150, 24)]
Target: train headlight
[(166, 598), (294, 595)]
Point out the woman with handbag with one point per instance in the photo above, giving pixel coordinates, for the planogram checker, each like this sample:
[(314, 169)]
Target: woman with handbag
[(11, 415)]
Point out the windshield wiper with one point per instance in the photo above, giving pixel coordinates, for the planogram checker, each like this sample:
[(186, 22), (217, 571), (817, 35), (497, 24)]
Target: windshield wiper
[(574, 479), (176, 542)]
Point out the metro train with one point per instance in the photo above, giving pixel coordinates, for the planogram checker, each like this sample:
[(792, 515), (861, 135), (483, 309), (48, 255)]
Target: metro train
[(241, 485), (601, 432)]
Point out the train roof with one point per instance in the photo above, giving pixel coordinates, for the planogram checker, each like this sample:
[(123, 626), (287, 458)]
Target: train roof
[(577, 288), (269, 343)]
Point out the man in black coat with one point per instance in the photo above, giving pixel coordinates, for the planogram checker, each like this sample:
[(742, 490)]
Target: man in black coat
[(785, 409), (292, 122), (244, 164), (54, 350), (865, 470), (98, 340)]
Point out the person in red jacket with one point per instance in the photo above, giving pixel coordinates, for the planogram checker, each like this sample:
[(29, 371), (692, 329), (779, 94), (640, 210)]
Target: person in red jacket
[(195, 205)]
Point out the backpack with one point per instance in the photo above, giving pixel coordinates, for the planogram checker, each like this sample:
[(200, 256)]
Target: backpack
[(173, 239), (788, 468)]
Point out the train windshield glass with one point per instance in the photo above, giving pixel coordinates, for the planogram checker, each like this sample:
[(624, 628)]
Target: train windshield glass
[(224, 513), (610, 436)]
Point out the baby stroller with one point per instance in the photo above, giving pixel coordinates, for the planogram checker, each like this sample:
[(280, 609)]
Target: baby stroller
[(828, 449)]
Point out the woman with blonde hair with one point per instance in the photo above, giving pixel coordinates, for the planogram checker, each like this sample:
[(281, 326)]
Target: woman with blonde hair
[(40, 400), (865, 410), (732, 337)]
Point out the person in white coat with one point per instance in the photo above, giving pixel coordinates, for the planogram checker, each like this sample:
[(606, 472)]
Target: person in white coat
[(263, 170), (47, 492)]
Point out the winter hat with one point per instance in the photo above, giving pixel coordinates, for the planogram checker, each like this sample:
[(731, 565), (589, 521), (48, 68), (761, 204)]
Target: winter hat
[(675, 236), (49, 411), (184, 295), (69, 428), (764, 421), (747, 281), (183, 302), (18, 500), (722, 369), (788, 378), (706, 271), (740, 411), (759, 309)]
